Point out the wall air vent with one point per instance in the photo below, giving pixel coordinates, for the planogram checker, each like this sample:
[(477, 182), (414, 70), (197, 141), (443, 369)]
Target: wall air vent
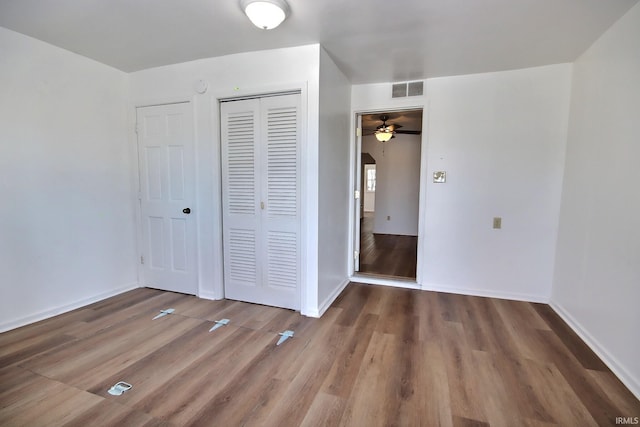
[(415, 88), (400, 90)]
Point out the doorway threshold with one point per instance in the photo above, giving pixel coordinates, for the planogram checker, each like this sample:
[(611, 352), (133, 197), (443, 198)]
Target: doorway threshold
[(396, 282)]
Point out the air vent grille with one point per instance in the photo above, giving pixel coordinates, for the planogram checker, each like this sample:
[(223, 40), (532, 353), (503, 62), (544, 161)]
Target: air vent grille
[(415, 88), (400, 90)]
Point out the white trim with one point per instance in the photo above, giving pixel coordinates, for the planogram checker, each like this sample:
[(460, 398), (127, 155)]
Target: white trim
[(353, 165), (217, 227), (632, 383), (328, 301), (488, 293), (208, 295), (384, 281), (424, 180), (32, 318), (422, 198)]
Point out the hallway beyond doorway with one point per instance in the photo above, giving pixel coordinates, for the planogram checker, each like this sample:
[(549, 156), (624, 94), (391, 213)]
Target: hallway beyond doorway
[(386, 254)]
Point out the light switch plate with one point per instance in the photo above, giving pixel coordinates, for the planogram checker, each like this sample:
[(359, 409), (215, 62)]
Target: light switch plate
[(440, 177)]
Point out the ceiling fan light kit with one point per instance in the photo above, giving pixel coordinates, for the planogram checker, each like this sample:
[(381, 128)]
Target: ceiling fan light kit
[(384, 135), (385, 132), (265, 14)]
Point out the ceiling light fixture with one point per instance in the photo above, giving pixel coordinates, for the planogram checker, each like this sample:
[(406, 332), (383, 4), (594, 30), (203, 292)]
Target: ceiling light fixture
[(384, 135), (265, 14)]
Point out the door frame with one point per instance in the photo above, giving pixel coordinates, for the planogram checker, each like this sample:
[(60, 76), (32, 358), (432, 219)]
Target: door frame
[(308, 181), (190, 100), (356, 149)]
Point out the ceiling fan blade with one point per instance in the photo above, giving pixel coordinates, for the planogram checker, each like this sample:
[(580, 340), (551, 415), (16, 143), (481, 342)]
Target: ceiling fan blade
[(410, 132)]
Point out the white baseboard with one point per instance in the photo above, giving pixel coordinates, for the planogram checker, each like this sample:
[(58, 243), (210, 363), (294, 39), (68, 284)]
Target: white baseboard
[(384, 281), (489, 293), (632, 383), (208, 295), (407, 284), (36, 317), (327, 302)]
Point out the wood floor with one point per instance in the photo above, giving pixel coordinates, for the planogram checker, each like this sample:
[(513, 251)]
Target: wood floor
[(379, 357), (386, 254)]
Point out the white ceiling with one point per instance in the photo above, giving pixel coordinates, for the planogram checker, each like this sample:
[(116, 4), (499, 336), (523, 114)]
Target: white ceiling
[(370, 40)]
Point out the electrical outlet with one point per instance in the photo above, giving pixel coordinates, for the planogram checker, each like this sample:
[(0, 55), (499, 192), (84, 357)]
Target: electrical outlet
[(497, 222), (388, 217)]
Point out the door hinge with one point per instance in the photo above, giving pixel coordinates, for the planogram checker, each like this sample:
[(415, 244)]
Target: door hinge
[(136, 128), (356, 194), (356, 254), (358, 131), (141, 259)]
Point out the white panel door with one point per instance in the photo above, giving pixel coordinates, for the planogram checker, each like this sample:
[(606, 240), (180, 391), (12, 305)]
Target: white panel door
[(167, 163), (261, 200)]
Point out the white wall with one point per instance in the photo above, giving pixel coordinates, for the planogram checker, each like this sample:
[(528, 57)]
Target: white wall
[(397, 183), (334, 194), (236, 75), (501, 138), (67, 233), (597, 273)]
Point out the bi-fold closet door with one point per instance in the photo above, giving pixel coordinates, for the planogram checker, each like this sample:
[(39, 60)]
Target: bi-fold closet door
[(261, 140)]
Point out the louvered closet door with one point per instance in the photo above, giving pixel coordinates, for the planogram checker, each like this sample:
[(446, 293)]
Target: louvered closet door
[(261, 200)]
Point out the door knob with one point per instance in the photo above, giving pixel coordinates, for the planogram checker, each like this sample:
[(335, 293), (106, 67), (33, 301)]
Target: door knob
[(186, 211)]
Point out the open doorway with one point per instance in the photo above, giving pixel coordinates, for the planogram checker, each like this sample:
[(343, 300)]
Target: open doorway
[(390, 158)]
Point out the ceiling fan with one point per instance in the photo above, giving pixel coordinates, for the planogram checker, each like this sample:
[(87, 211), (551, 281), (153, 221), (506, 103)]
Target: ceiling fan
[(386, 132)]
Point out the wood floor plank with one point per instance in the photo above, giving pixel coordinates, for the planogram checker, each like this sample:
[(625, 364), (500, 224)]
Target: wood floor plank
[(471, 322), (265, 386), (429, 318), (599, 405), (501, 407), (326, 410), (79, 361), (434, 393), (109, 317), (189, 392), (508, 358), (344, 372), (16, 339), (379, 356), (34, 346), (242, 390), (367, 403), (464, 386), (557, 396), (109, 413), (22, 388), (319, 356), (613, 387), (587, 358)]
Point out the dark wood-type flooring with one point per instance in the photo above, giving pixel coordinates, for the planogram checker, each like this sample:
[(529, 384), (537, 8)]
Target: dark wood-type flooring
[(386, 254), (379, 356)]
